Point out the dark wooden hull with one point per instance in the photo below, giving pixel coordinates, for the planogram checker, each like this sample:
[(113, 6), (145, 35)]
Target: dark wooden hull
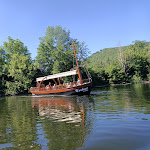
[(83, 89)]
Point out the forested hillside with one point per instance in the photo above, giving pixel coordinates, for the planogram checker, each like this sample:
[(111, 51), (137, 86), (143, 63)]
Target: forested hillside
[(121, 64)]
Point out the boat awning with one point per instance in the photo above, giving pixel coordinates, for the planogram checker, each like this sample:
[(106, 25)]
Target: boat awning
[(59, 75)]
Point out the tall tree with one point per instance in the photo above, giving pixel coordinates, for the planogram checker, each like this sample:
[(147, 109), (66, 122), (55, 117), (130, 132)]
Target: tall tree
[(21, 72), (19, 67), (138, 59), (55, 52), (2, 64), (14, 46)]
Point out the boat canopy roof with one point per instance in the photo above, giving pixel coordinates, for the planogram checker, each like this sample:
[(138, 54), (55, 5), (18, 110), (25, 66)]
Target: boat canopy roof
[(59, 75)]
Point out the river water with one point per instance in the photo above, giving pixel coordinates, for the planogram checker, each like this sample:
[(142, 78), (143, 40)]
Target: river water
[(111, 118)]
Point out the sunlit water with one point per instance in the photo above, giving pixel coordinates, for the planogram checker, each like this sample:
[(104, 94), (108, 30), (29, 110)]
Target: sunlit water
[(112, 118)]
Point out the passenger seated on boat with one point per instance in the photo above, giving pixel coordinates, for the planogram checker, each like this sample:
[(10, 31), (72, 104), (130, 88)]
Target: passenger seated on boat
[(54, 87), (64, 85), (71, 84), (74, 84), (60, 86), (38, 84), (47, 86), (42, 85), (67, 85), (78, 82)]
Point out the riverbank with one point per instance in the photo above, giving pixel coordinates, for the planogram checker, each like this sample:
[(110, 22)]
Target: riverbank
[(106, 85)]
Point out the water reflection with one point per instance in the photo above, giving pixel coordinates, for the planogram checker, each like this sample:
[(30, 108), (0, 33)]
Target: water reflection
[(17, 124), (59, 109), (111, 118), (122, 118), (127, 100), (64, 120)]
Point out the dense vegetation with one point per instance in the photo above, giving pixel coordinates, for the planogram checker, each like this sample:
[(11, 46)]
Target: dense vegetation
[(55, 54), (128, 64), (17, 69)]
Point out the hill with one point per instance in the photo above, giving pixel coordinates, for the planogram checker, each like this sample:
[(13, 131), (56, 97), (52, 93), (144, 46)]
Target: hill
[(106, 62)]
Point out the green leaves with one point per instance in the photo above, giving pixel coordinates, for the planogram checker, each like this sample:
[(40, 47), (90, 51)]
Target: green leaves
[(55, 53), (2, 69), (2, 59), (14, 46), (18, 68), (131, 64), (22, 71)]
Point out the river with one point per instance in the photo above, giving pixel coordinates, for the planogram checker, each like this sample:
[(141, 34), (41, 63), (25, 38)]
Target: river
[(111, 118)]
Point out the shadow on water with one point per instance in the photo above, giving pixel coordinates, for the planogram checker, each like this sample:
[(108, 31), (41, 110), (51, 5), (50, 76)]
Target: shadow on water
[(111, 118)]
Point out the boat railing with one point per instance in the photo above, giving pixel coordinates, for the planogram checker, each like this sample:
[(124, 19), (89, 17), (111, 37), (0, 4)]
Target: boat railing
[(61, 86), (86, 81)]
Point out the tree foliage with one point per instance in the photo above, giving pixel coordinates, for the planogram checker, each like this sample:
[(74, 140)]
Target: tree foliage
[(2, 64), (55, 53), (21, 71), (125, 64), (18, 68)]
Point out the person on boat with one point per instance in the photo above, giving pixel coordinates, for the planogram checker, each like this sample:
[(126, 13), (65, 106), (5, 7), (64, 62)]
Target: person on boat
[(69, 85), (78, 82), (64, 85), (54, 87), (49, 84), (38, 84)]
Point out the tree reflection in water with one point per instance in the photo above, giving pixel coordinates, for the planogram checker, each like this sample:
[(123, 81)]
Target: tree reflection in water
[(17, 124), (118, 118)]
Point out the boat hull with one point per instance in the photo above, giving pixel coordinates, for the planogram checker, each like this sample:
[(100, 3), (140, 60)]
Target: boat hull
[(78, 90)]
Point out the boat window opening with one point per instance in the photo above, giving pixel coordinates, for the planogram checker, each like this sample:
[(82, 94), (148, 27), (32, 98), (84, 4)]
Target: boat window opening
[(60, 83), (63, 82)]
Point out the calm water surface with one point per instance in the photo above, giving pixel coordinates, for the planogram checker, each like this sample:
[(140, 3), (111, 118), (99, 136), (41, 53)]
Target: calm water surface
[(112, 118)]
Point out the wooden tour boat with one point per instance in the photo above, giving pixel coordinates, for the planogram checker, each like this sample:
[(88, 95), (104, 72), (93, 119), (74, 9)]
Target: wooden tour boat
[(80, 87)]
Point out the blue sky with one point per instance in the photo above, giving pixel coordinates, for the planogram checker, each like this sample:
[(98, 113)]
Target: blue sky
[(100, 23)]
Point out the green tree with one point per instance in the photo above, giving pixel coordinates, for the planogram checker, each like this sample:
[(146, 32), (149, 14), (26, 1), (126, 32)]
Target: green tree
[(2, 64), (18, 124), (19, 69), (129, 64), (137, 60), (55, 52), (14, 46)]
